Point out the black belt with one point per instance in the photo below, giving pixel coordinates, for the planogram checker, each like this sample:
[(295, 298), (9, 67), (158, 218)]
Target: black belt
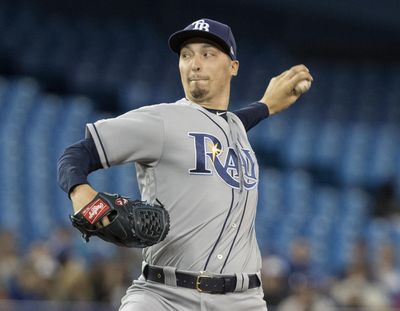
[(213, 284)]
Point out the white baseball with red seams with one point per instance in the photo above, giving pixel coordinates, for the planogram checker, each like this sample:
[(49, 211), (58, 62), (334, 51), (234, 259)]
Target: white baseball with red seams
[(302, 87)]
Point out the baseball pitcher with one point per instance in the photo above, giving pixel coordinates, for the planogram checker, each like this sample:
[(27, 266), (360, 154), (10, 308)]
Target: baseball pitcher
[(198, 178)]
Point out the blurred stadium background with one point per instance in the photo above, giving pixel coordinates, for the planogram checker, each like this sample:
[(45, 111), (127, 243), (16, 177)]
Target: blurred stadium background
[(328, 217)]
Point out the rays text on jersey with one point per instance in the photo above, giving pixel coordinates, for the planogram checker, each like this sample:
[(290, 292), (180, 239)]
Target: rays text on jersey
[(210, 154)]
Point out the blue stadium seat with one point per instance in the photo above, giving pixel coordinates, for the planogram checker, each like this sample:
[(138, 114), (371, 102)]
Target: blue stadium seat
[(328, 145), (269, 136), (382, 155), (369, 97), (392, 115), (343, 81), (353, 165), (297, 149), (376, 234), (124, 181)]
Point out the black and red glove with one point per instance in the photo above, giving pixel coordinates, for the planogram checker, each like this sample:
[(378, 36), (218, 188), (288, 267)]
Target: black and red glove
[(131, 223)]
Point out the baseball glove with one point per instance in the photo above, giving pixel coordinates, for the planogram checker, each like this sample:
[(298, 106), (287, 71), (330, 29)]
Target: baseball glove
[(131, 223)]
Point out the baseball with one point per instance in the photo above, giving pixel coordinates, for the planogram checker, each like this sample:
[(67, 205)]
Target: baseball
[(302, 87)]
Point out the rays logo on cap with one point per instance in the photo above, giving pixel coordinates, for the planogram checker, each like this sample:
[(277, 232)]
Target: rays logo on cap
[(201, 25), (209, 29)]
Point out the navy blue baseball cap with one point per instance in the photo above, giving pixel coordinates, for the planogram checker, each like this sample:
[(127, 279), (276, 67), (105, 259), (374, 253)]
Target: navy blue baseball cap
[(208, 29)]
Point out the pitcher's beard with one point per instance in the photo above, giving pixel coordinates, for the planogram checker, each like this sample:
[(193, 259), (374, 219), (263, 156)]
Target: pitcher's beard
[(199, 93)]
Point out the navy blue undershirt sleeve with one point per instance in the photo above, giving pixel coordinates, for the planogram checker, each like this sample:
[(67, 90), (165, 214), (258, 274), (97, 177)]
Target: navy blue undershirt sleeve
[(252, 114), (76, 163)]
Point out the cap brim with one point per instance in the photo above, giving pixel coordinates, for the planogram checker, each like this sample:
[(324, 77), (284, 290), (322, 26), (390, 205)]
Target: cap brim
[(177, 39)]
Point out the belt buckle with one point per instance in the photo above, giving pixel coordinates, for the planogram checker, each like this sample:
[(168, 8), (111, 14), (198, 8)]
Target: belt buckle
[(198, 282)]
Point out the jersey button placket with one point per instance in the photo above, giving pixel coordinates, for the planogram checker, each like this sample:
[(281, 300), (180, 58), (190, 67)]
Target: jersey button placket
[(220, 256)]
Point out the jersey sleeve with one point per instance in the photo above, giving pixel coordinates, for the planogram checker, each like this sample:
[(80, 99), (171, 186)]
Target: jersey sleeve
[(137, 135)]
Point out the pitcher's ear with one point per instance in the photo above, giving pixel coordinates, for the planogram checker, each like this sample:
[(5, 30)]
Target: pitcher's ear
[(234, 67)]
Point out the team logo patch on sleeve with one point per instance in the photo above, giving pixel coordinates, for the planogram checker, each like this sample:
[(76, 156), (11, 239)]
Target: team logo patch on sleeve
[(95, 211)]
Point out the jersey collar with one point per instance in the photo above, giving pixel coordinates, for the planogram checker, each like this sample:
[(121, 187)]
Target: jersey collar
[(218, 112)]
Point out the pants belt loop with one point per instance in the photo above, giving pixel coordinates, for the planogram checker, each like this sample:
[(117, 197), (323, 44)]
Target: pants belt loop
[(169, 276), (239, 282), (245, 281), (144, 265), (259, 277)]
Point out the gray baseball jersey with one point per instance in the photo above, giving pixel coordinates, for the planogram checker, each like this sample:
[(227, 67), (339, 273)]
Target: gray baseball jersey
[(203, 169)]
